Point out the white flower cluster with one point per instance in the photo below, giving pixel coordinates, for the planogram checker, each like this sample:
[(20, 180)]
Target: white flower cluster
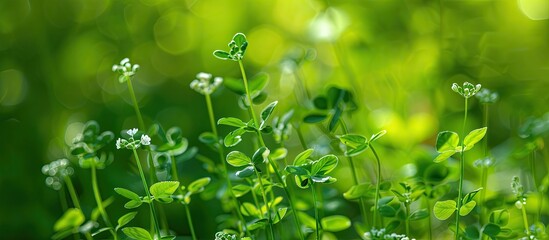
[(132, 143), (487, 96), (204, 85), (468, 90), (376, 234), (56, 171), (126, 70)]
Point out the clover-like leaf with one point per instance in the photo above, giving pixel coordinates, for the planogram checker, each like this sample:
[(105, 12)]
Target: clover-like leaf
[(474, 137), (221, 55), (240, 190), (443, 156), (324, 165), (335, 223), (231, 121), (419, 214), (164, 189), (234, 137), (125, 219), (266, 113), (467, 208), (246, 172), (198, 185), (469, 196), (297, 170), (302, 157), (353, 140), (499, 217), (378, 135), (444, 209), (127, 194), (315, 118), (238, 159), (278, 154), (260, 155), (72, 218), (133, 204), (137, 233), (357, 191), (249, 209), (491, 230), (447, 141)]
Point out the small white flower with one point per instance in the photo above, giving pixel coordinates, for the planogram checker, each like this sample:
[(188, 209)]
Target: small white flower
[(132, 131), (124, 61), (118, 143), (145, 140), (204, 76)]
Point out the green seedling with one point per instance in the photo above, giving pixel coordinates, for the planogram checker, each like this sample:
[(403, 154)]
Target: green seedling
[(447, 145), (308, 172)]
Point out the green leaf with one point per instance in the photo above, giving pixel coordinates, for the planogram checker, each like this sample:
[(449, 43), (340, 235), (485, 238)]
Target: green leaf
[(198, 185), (469, 196), (387, 211), (241, 190), (127, 194), (297, 170), (168, 237), (257, 224), (231, 121), (72, 218), (164, 189), (281, 213), (100, 231), (137, 233), (278, 154), (467, 208), (257, 83), (133, 204), (323, 179), (444, 209), (221, 55), (266, 113), (353, 140), (443, 156), (447, 141), (324, 165), (335, 223), (260, 155), (335, 119), (419, 214), (249, 209), (377, 135), (234, 137), (356, 151), (246, 172), (499, 217), (474, 137), (122, 221), (491, 230), (314, 118), (207, 138), (240, 39), (238, 159), (320, 103), (302, 157), (306, 220), (357, 191)]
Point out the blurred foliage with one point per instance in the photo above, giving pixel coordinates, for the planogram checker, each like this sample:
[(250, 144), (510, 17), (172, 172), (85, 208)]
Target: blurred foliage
[(398, 57)]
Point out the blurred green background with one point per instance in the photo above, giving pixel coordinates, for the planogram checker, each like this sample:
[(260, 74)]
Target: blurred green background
[(399, 57)]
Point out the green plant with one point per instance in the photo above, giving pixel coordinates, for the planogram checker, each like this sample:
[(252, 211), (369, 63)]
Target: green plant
[(448, 143)]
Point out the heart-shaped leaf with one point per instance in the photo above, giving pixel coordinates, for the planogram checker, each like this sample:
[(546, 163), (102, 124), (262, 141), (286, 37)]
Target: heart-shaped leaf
[(238, 159), (444, 209), (164, 189), (447, 141), (474, 137)]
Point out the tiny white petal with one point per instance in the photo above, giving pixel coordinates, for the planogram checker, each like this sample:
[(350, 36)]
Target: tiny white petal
[(203, 76), (124, 61), (145, 140), (132, 131)]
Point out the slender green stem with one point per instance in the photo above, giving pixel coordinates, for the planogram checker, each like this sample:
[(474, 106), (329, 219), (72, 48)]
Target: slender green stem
[(484, 169), (317, 223), (190, 220), (429, 224), (264, 195), (534, 177), (135, 105), (145, 186), (72, 192), (361, 200), (407, 205), (461, 171), (63, 199), (271, 162), (221, 153), (99, 201), (301, 138), (525, 219), (378, 182)]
